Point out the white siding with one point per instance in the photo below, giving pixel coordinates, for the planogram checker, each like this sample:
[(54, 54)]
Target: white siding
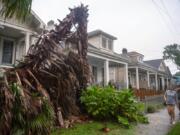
[(95, 41), (162, 67)]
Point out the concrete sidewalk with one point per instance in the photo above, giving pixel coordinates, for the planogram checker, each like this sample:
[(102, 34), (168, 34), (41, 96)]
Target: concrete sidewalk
[(159, 123)]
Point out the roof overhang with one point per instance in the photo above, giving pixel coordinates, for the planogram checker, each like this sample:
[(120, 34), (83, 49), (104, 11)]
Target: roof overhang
[(100, 32)]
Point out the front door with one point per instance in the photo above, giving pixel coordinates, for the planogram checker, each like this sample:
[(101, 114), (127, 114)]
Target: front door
[(160, 83)]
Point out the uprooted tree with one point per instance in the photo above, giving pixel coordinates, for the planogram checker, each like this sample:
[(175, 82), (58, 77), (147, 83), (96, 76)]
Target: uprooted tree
[(49, 80)]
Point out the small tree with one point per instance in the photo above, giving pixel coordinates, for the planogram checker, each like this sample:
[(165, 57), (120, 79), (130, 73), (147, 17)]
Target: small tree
[(172, 52), (177, 74)]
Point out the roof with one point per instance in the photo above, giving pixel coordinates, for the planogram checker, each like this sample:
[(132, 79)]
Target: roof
[(38, 18), (155, 63), (92, 46), (143, 65), (168, 70), (112, 55), (98, 32), (134, 53)]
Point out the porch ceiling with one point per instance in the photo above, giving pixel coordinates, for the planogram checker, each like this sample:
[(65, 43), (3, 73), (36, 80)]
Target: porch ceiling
[(10, 32), (139, 69), (133, 69), (115, 64), (100, 62), (95, 61)]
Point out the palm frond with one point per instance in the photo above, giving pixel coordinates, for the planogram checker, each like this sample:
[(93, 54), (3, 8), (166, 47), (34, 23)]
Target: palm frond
[(20, 9)]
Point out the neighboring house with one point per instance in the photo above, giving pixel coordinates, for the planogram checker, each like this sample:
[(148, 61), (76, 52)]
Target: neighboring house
[(152, 74), (16, 38), (107, 66)]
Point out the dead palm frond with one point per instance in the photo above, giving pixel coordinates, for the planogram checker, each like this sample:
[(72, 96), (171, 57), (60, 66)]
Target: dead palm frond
[(49, 77)]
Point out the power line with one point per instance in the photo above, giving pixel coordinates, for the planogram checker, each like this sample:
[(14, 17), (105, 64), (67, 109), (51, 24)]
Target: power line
[(169, 16), (163, 18)]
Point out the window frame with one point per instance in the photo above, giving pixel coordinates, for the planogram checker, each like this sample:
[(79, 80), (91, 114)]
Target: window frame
[(110, 45), (95, 73), (1, 50), (104, 47)]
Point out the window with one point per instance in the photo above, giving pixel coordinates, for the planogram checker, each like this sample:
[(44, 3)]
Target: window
[(7, 52), (140, 59), (110, 44), (103, 42), (94, 72)]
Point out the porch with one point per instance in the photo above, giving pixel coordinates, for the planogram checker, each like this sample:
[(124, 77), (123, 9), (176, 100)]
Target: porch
[(107, 71), (14, 43), (17, 36), (141, 78)]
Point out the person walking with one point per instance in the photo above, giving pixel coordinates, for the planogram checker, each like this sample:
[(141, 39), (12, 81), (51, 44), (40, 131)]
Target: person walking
[(178, 97), (170, 98)]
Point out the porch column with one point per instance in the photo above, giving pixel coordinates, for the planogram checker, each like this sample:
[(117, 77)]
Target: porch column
[(27, 41), (137, 78), (148, 83), (127, 80), (106, 72), (167, 83), (163, 84), (156, 79)]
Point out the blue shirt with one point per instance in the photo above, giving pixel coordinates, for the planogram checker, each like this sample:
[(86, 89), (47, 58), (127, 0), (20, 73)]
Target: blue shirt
[(171, 97)]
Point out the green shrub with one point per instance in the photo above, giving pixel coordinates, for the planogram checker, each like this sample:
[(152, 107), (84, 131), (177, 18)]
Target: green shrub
[(108, 103), (151, 109)]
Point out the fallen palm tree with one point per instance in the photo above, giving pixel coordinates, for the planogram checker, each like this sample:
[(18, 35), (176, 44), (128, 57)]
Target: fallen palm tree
[(47, 84)]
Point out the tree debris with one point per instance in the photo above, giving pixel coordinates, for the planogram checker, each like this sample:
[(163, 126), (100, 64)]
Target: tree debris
[(49, 71)]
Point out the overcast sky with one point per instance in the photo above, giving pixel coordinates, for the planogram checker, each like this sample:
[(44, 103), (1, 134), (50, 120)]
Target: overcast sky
[(145, 26)]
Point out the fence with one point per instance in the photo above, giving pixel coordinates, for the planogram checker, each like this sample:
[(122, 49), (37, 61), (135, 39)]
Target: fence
[(147, 93)]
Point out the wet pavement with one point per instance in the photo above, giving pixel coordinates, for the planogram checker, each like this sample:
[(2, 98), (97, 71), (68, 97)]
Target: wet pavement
[(159, 123)]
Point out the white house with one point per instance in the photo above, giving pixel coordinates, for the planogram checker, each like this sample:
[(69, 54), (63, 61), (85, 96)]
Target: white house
[(106, 65), (16, 37), (152, 74)]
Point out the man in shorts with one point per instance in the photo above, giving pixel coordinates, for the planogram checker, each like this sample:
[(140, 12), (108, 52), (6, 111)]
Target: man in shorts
[(178, 97), (170, 98)]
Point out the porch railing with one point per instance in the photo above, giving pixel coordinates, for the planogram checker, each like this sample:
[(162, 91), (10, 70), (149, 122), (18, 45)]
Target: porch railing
[(142, 93)]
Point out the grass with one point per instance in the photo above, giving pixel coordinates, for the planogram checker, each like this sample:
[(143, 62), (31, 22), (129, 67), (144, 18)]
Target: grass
[(94, 128), (175, 130)]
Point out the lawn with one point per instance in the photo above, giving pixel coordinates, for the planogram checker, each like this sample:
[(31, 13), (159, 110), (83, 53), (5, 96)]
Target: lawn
[(94, 128), (175, 130)]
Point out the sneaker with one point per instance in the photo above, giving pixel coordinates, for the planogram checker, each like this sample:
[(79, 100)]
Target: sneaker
[(173, 122)]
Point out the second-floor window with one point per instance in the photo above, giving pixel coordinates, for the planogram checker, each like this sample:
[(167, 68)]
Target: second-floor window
[(140, 59), (110, 45), (107, 43), (103, 42)]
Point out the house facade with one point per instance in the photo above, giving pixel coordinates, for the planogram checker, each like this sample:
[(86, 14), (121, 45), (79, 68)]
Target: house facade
[(16, 38), (152, 74), (106, 65)]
